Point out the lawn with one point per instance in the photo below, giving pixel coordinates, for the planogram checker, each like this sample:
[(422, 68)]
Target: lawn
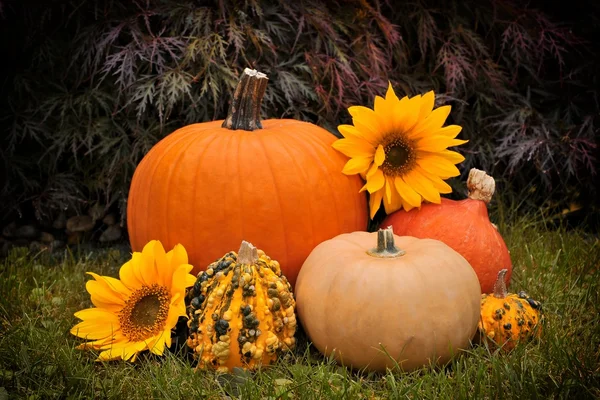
[(39, 294)]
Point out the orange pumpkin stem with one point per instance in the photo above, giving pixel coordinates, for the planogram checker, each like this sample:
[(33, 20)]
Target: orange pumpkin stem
[(481, 186), (386, 248), (247, 254), (244, 111), (500, 286)]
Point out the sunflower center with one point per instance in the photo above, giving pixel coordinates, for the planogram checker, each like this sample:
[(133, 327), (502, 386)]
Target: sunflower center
[(145, 312), (400, 156)]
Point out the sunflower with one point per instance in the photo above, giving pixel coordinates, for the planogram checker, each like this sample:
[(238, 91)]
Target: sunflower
[(400, 148), (137, 312)]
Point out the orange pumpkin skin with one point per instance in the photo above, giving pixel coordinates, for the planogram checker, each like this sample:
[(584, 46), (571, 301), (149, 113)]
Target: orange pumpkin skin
[(465, 226), (279, 187)]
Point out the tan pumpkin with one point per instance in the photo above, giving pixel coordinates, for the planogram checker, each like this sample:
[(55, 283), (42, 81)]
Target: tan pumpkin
[(241, 312), (414, 304), (507, 318)]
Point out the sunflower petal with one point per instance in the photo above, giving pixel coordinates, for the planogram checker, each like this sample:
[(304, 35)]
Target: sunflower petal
[(388, 191), (359, 111), (366, 117), (357, 165), (147, 270), (436, 143), (395, 204), (176, 310), (375, 202), (94, 329), (371, 171), (112, 284), (385, 113), (180, 280), (390, 95), (104, 297), (369, 131), (97, 344), (408, 194), (438, 165), (126, 274), (450, 131), (97, 315), (427, 102), (423, 186), (379, 155), (177, 257), (375, 182), (408, 113), (393, 200), (161, 266), (432, 123), (452, 156), (437, 182), (354, 147), (349, 131), (156, 344), (122, 351)]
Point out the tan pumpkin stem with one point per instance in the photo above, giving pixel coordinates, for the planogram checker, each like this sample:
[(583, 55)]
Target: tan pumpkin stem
[(500, 286), (247, 254), (481, 186), (244, 111), (386, 248)]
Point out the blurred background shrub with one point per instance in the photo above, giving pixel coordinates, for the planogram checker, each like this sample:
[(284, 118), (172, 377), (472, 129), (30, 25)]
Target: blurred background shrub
[(88, 87)]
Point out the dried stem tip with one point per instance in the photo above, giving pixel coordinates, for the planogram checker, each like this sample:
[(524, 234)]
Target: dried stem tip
[(481, 186), (247, 254), (244, 111), (386, 248), (500, 286)]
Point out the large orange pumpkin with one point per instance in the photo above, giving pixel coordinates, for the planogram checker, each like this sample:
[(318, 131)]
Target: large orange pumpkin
[(463, 225), (276, 183)]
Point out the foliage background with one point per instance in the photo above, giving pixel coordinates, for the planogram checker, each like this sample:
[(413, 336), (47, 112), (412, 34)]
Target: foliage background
[(90, 86)]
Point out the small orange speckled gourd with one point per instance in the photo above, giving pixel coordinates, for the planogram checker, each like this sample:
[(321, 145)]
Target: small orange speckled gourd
[(506, 318), (241, 311)]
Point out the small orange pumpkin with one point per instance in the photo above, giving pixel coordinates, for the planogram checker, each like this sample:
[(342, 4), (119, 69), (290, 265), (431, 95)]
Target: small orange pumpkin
[(506, 318), (373, 308), (463, 225), (276, 183)]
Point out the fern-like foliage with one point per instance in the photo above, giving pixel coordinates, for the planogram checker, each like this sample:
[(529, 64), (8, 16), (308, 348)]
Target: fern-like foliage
[(95, 85)]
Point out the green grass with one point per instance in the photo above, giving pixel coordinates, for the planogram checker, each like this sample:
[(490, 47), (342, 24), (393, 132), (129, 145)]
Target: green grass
[(38, 359)]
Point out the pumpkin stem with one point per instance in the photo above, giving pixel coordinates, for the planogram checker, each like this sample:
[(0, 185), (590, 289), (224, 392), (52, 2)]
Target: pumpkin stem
[(481, 186), (386, 248), (248, 253), (244, 111), (500, 286)]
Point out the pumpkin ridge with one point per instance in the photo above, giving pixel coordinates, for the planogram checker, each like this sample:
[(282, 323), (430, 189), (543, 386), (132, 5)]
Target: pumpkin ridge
[(242, 210), (321, 162), (278, 196), (168, 183), (154, 167), (210, 141), (309, 198)]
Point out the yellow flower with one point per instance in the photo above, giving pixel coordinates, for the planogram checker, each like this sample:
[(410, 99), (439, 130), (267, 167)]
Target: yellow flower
[(137, 312), (400, 148)]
